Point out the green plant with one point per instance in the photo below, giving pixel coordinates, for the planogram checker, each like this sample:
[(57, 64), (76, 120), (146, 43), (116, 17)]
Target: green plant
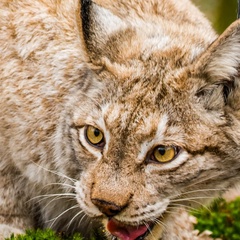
[(47, 234), (222, 219)]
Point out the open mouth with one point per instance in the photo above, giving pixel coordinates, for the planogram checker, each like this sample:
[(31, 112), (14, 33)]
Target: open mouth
[(127, 232)]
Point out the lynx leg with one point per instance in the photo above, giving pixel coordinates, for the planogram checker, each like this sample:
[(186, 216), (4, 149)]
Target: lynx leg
[(15, 216)]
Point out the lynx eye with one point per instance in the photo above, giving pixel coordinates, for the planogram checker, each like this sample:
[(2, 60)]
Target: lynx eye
[(94, 136), (164, 154)]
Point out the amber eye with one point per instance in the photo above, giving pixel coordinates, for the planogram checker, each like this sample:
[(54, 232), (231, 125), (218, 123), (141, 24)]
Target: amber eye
[(94, 136), (164, 154)]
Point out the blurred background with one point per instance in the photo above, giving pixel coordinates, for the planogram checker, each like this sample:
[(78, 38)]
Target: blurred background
[(221, 13)]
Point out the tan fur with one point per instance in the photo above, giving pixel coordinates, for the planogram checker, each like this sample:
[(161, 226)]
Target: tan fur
[(145, 73)]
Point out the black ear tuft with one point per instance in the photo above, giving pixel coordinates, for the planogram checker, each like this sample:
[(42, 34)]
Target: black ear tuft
[(85, 15), (99, 24), (228, 88)]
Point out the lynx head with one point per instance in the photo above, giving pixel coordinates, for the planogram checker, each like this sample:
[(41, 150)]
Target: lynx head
[(165, 130)]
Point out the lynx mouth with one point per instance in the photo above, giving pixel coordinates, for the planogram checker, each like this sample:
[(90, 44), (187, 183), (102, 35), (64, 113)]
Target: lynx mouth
[(128, 232)]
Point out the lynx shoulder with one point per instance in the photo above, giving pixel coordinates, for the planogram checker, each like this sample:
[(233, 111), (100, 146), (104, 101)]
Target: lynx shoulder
[(115, 113)]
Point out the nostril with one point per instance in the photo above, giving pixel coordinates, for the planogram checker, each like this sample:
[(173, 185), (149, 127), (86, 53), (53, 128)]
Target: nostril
[(108, 208)]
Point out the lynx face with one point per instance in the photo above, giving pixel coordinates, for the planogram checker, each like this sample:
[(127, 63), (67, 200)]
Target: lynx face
[(165, 134), (117, 111), (151, 147)]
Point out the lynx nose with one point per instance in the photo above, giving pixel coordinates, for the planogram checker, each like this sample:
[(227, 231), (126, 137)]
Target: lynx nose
[(108, 208)]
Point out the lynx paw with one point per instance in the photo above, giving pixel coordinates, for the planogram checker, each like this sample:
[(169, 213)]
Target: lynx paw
[(6, 231)]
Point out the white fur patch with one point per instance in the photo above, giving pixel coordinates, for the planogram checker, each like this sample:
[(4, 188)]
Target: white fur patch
[(196, 51), (158, 140), (225, 61), (91, 210), (155, 43), (108, 22), (112, 115)]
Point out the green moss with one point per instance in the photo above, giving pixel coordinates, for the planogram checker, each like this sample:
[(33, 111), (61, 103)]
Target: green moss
[(49, 234), (44, 235), (223, 219)]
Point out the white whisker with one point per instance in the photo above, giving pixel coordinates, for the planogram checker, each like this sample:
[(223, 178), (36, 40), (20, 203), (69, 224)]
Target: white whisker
[(178, 206), (85, 215), (62, 184), (197, 191), (76, 215), (61, 214), (159, 222), (56, 199), (198, 203), (54, 195), (162, 224), (190, 199), (56, 173), (205, 179), (42, 198), (149, 229)]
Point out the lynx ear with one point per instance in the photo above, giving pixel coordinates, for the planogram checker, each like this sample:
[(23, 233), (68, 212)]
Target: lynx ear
[(220, 65), (98, 24)]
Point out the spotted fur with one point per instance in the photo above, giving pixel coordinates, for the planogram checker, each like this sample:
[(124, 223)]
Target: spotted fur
[(145, 73)]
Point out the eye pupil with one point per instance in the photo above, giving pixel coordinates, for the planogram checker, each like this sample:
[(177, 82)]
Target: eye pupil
[(161, 151), (96, 132)]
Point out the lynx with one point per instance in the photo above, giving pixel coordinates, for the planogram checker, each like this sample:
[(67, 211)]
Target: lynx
[(116, 113)]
